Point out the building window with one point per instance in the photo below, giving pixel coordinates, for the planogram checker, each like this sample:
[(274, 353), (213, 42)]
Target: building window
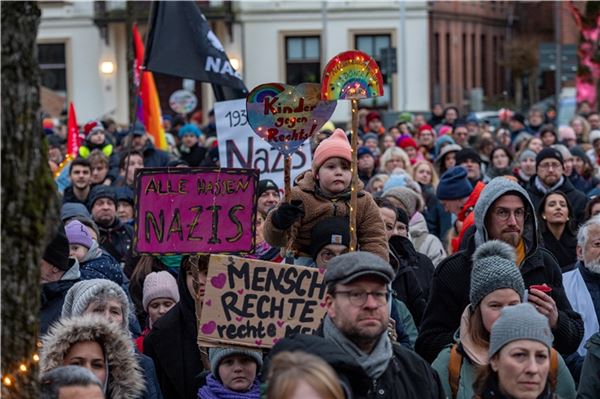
[(302, 59), (372, 45), (52, 60)]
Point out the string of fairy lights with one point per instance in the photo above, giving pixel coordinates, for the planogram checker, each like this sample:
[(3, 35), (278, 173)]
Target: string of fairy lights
[(9, 378)]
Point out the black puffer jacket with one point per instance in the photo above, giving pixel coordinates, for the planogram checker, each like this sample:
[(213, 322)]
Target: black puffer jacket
[(172, 346), (408, 376), (451, 281), (116, 239)]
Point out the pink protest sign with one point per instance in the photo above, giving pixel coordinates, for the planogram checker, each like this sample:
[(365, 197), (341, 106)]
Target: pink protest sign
[(195, 210)]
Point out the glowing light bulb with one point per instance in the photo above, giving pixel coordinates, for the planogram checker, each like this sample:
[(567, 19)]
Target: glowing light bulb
[(7, 381), (23, 368), (36, 358)]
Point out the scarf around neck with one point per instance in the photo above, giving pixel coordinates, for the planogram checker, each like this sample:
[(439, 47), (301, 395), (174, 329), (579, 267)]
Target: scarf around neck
[(374, 363), (540, 186), (477, 354), (214, 389)]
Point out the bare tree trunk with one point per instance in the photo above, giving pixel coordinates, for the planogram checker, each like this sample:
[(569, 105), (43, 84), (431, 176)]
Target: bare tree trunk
[(28, 197)]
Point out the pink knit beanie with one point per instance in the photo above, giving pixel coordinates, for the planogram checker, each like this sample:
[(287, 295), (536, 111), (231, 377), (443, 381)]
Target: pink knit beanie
[(335, 146), (159, 285)]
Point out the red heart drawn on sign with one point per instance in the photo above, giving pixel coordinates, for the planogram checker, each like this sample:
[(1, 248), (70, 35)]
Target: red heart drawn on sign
[(240, 291), (280, 323), (208, 328), (219, 280), (321, 270), (239, 318), (323, 304), (258, 342), (208, 302)]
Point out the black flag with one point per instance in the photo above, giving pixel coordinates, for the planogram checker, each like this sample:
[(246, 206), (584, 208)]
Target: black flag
[(181, 43)]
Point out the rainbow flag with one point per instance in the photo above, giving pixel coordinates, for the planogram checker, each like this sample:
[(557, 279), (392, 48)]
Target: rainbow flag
[(148, 110)]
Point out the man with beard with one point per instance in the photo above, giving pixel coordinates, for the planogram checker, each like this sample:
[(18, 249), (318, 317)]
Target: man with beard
[(503, 212), (141, 142), (80, 173), (357, 303), (115, 237), (268, 196), (550, 168), (582, 284)]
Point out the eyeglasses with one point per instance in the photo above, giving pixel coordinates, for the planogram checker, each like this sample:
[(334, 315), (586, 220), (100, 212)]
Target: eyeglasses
[(554, 165), (359, 298), (327, 255), (504, 213)]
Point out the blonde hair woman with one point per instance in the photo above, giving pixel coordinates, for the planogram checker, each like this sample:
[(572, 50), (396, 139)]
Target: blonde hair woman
[(424, 173), (376, 183), (582, 129), (393, 158), (296, 375)]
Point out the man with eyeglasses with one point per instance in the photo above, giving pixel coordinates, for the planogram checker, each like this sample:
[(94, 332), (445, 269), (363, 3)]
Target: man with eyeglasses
[(356, 323), (503, 212), (550, 168)]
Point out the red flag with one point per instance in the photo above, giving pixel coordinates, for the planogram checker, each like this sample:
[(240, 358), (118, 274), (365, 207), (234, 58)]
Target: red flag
[(73, 138)]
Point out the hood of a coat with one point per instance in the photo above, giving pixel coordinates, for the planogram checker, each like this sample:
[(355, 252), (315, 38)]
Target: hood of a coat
[(125, 379), (418, 225), (495, 189)]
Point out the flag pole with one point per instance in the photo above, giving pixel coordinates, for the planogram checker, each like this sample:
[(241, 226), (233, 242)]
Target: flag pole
[(354, 171)]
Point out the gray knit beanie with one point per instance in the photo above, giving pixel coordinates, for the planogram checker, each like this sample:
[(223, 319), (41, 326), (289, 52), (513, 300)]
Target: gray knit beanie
[(81, 294), (494, 268), (409, 199), (519, 322), (216, 356)]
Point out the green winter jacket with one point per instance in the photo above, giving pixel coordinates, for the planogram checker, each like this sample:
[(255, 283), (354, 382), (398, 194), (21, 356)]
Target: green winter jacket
[(565, 385)]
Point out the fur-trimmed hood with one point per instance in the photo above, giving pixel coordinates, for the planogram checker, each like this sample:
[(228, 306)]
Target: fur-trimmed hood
[(125, 378)]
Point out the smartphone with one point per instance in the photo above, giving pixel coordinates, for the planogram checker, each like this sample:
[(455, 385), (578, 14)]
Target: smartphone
[(542, 287)]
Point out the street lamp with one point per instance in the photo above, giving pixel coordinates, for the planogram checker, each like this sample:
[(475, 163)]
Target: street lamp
[(107, 67)]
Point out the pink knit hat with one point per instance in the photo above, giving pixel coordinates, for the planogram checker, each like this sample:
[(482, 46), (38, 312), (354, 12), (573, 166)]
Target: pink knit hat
[(159, 285), (335, 146)]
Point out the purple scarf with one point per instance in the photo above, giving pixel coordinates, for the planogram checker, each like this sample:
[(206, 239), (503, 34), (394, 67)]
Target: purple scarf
[(214, 389)]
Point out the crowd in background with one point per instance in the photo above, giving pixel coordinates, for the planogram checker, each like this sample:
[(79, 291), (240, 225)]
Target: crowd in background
[(477, 272)]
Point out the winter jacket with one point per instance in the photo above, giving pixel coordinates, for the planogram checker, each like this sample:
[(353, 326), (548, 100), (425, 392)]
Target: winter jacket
[(413, 275), (125, 378), (152, 388), (172, 345), (69, 196), (564, 250), (565, 386), (154, 157), (451, 281), (369, 225), (589, 383), (194, 155), (425, 243), (438, 220), (407, 376), (582, 184), (100, 264), (116, 239), (576, 198), (53, 296), (492, 391)]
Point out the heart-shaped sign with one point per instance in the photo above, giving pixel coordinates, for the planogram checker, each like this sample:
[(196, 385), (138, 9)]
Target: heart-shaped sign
[(285, 116)]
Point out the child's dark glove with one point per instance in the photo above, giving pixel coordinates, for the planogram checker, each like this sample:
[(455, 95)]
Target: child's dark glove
[(285, 216)]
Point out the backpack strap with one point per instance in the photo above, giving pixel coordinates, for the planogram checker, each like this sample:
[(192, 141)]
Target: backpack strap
[(553, 374), (454, 369)]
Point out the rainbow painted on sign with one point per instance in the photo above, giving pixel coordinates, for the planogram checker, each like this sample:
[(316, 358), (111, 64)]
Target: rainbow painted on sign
[(351, 75)]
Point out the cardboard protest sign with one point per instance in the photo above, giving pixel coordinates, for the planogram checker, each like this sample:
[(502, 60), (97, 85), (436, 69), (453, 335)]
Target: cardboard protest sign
[(240, 147), (195, 210), (285, 116), (256, 303)]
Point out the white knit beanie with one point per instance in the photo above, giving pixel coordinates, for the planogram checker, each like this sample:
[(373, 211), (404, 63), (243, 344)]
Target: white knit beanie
[(159, 285)]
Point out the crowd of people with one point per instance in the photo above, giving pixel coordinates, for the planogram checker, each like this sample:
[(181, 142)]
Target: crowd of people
[(476, 274)]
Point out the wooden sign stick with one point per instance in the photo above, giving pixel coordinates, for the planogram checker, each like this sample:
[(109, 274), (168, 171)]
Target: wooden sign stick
[(354, 170)]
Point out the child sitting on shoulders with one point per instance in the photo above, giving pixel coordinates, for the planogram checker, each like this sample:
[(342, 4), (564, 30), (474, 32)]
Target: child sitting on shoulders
[(321, 192)]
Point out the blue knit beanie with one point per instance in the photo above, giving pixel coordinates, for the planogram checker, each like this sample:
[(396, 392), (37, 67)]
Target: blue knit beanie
[(454, 184), (395, 181), (190, 128)]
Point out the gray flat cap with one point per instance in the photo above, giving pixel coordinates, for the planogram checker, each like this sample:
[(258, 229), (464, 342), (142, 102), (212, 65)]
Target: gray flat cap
[(347, 267)]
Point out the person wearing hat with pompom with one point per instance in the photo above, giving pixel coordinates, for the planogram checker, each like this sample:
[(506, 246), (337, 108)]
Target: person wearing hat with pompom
[(503, 212), (321, 192), (496, 283), (549, 176)]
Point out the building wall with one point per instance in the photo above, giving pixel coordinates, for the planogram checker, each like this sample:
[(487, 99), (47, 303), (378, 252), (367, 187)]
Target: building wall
[(264, 26), (467, 40), (93, 94)]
